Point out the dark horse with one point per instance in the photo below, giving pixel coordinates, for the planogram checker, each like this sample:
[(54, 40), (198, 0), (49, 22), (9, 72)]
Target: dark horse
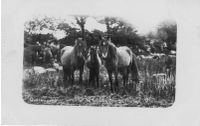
[(93, 63), (32, 54), (118, 59), (47, 57), (73, 58), (55, 49)]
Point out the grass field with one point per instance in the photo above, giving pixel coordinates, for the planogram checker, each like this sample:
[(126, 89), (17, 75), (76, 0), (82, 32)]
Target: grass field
[(152, 90)]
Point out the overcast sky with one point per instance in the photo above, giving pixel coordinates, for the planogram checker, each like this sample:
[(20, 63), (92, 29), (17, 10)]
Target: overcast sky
[(142, 14), (142, 26)]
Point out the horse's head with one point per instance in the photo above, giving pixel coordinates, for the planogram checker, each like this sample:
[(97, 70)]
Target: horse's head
[(81, 47), (93, 52), (104, 47)]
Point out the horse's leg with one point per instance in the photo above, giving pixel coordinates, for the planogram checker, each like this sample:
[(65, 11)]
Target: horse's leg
[(110, 79), (125, 74), (97, 79), (71, 75), (65, 77), (93, 81), (124, 80), (93, 78), (81, 76), (72, 78), (90, 79), (116, 86)]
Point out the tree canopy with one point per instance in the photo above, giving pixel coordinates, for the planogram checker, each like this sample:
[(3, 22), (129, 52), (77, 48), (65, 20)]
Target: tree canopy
[(122, 33)]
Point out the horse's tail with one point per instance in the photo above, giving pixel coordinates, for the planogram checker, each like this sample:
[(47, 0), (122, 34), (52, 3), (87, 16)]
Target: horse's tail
[(134, 68)]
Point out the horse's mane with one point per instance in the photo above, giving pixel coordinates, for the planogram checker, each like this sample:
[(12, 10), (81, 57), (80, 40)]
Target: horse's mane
[(112, 50), (76, 49)]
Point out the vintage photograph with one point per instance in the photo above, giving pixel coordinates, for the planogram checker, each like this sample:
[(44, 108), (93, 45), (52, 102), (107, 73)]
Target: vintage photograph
[(83, 60)]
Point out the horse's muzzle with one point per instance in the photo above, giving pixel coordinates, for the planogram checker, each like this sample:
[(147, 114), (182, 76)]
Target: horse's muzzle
[(104, 55)]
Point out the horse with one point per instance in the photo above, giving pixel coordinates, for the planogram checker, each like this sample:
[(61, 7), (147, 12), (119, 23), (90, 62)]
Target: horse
[(32, 53), (55, 49), (93, 62), (47, 57), (118, 59), (73, 58)]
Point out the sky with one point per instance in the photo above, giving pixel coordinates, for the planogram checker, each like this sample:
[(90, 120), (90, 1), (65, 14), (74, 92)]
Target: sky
[(142, 26), (144, 15)]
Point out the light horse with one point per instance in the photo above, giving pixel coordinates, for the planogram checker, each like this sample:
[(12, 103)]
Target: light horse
[(73, 58), (118, 59)]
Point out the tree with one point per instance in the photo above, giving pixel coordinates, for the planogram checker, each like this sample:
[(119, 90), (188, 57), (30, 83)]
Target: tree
[(163, 40), (39, 30), (65, 27), (108, 21), (81, 20), (167, 32), (123, 33), (39, 25), (93, 37)]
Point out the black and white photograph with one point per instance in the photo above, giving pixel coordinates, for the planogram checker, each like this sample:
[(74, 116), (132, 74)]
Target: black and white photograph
[(100, 62), (81, 60)]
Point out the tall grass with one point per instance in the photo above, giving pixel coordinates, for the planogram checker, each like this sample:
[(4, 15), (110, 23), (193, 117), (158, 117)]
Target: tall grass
[(152, 90), (155, 82)]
